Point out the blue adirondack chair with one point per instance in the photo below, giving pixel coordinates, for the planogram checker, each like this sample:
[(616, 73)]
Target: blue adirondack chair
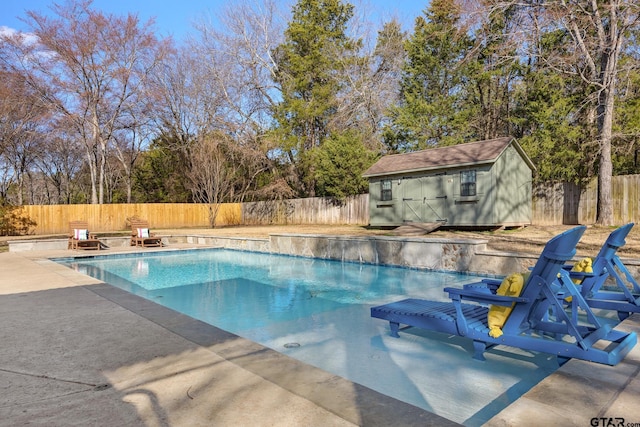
[(625, 298), (538, 321)]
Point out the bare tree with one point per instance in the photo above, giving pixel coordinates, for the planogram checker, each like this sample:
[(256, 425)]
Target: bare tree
[(59, 163), (22, 117), (134, 135), (372, 84), (90, 68), (217, 94), (598, 31), (211, 174), (244, 45), (171, 83)]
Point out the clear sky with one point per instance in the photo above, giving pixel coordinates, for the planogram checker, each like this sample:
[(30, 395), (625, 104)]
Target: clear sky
[(175, 17)]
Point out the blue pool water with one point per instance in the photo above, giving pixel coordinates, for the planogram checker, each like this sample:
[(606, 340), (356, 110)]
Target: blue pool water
[(318, 311)]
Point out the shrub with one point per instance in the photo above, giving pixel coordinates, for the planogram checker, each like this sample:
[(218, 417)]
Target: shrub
[(14, 221)]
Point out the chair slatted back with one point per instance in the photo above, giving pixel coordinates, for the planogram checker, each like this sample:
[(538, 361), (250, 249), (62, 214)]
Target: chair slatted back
[(77, 225), (555, 254), (138, 223)]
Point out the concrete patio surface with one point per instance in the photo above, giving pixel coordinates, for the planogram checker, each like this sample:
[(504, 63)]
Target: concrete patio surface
[(76, 351)]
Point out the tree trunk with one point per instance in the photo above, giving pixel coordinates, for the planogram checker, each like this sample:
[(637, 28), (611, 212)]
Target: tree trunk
[(102, 167), (604, 213), (92, 171), (20, 189)]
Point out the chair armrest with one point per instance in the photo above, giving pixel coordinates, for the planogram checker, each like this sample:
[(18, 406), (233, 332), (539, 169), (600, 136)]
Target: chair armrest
[(575, 274), (482, 296), (579, 274), (485, 285)]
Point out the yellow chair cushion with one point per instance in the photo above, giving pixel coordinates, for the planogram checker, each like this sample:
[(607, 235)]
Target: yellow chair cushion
[(585, 265), (511, 286)]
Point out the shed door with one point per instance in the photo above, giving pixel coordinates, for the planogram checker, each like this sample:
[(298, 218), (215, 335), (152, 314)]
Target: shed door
[(435, 198), (412, 200), (425, 199)]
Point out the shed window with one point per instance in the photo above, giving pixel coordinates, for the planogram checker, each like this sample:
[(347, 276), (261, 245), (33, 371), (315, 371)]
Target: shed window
[(468, 183), (385, 190)]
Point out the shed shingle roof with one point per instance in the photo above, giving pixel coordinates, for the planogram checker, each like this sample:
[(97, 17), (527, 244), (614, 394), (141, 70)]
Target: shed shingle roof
[(471, 153)]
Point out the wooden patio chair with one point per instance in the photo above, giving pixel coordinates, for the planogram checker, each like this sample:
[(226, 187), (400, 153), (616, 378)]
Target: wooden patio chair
[(142, 236), (81, 238)]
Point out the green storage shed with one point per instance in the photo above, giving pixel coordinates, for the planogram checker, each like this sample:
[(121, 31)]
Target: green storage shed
[(477, 184)]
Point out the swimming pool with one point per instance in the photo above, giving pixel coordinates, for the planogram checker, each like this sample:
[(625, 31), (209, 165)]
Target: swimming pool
[(317, 311)]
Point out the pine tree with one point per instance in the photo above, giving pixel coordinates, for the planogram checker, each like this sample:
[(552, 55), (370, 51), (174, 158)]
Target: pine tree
[(340, 163), (432, 90), (309, 74)]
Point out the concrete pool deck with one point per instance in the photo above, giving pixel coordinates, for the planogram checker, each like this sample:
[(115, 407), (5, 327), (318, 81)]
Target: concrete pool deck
[(76, 351)]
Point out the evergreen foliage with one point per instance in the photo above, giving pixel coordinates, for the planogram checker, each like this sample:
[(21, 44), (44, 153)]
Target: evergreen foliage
[(160, 175), (432, 111), (310, 75), (549, 121), (340, 163)]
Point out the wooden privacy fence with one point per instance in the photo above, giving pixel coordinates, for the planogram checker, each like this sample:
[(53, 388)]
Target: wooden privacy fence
[(553, 204), (314, 210), (54, 219), (566, 203)]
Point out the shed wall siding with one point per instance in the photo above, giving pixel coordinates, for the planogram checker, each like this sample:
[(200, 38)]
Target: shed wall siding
[(384, 213), (513, 186), (471, 210)]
